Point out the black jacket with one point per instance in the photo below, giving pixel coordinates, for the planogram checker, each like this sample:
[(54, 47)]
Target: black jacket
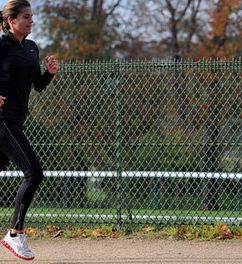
[(19, 69)]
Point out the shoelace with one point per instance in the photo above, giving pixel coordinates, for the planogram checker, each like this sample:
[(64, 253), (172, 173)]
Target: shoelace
[(23, 240)]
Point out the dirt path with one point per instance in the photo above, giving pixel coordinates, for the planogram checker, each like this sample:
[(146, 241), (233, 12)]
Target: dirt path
[(127, 251)]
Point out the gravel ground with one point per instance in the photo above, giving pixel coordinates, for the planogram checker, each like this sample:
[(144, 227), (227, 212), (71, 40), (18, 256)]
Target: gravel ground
[(135, 251)]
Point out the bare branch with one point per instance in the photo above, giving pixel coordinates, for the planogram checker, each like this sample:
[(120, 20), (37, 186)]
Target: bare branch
[(184, 10), (171, 8), (193, 23), (113, 8)]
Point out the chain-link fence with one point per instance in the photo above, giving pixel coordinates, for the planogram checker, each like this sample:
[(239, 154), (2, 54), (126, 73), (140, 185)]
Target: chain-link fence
[(141, 142)]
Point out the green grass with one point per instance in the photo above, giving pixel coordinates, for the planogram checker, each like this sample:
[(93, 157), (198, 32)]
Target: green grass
[(148, 212), (83, 215), (91, 223), (184, 232)]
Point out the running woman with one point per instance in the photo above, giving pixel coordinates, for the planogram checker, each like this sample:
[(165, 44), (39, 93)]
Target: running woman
[(19, 70)]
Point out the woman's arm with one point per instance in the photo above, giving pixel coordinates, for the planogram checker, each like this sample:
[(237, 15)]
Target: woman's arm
[(40, 81)]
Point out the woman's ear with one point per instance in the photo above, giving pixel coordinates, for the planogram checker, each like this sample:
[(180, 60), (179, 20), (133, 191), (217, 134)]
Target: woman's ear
[(10, 20)]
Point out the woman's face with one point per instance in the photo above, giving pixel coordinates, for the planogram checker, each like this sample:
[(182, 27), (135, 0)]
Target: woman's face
[(22, 24)]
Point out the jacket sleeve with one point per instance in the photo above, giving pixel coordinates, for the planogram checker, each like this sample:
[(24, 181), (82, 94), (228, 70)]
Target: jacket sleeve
[(40, 80)]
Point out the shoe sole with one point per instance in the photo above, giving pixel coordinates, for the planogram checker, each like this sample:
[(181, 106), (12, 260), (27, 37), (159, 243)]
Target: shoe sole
[(6, 245)]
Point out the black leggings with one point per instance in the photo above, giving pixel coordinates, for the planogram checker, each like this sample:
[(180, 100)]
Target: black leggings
[(15, 147)]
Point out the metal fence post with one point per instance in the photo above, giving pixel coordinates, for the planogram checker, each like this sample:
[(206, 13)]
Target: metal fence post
[(211, 148), (118, 142)]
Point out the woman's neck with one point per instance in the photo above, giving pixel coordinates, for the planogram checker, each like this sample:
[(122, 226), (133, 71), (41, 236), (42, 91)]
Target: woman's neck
[(17, 36)]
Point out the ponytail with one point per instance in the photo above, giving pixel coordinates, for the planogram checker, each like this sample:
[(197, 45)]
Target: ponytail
[(1, 20), (2, 23)]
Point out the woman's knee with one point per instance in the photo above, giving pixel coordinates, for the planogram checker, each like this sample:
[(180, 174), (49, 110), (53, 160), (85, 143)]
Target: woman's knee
[(38, 179), (35, 175)]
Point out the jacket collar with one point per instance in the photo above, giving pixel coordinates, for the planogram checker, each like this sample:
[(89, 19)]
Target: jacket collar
[(12, 37)]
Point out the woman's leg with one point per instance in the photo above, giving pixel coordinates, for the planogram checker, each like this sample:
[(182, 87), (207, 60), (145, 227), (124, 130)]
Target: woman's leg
[(3, 160), (4, 194), (16, 147)]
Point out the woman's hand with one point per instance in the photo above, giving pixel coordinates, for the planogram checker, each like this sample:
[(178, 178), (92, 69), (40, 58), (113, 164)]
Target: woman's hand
[(51, 64), (2, 100)]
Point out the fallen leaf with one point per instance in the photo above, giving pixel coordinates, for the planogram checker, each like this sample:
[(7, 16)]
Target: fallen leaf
[(29, 230), (80, 231), (52, 228), (148, 229), (115, 233), (57, 234), (181, 232), (98, 233), (224, 232)]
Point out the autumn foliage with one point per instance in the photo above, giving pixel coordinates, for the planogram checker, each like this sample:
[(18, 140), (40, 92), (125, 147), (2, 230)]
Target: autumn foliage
[(171, 29), (221, 41), (187, 232)]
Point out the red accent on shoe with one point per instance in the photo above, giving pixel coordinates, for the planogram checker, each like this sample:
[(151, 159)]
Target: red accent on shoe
[(5, 244)]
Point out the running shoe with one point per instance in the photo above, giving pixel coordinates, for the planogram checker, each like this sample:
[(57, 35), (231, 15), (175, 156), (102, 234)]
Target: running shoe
[(18, 246)]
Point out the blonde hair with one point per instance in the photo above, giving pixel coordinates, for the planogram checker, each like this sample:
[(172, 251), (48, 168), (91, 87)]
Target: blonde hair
[(11, 9)]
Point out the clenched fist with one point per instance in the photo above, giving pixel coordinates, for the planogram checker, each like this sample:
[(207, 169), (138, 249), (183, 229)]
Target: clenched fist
[(51, 64), (2, 100)]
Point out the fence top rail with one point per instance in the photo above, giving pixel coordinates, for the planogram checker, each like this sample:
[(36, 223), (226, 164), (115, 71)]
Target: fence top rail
[(150, 65), (131, 174)]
